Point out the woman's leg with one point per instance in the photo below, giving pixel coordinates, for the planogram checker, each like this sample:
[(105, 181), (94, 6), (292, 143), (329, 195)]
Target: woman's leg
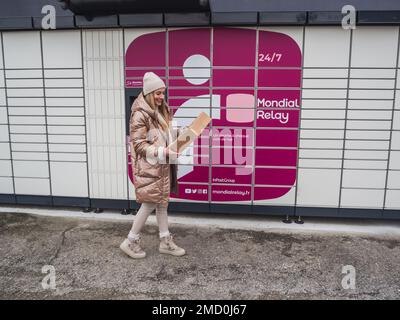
[(140, 220), (162, 219), (167, 245)]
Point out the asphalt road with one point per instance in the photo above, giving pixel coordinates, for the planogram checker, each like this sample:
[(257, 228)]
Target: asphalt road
[(220, 263)]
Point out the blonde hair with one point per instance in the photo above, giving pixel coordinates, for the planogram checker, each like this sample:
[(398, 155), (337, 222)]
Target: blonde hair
[(163, 109)]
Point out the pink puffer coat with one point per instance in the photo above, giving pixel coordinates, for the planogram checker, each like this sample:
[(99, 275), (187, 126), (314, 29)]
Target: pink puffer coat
[(154, 177)]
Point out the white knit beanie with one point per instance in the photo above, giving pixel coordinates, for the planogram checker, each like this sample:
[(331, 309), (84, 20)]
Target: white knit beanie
[(151, 82)]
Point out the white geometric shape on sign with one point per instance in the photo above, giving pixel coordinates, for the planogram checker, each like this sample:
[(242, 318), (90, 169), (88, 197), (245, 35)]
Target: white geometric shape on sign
[(196, 69)]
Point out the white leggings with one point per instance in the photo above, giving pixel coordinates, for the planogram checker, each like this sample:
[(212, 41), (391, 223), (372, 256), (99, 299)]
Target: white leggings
[(143, 213)]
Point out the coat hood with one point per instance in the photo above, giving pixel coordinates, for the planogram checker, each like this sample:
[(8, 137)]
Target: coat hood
[(141, 104)]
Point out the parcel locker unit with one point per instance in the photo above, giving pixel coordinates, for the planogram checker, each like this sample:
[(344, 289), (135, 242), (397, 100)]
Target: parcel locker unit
[(305, 116)]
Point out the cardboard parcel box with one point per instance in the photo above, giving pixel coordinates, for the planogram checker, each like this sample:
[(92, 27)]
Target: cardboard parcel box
[(190, 133)]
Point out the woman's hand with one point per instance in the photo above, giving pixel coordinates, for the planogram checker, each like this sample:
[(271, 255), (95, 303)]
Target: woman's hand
[(170, 153)]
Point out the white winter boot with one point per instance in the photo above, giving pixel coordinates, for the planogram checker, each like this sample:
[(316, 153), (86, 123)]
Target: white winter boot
[(132, 249), (168, 246)]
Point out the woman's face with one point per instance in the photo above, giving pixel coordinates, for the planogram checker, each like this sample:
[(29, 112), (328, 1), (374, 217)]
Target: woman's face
[(159, 96)]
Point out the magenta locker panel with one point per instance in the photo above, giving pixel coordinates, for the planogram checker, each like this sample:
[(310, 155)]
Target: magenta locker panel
[(249, 81)]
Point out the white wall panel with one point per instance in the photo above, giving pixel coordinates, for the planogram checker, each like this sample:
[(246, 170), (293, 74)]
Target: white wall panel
[(24, 73), (2, 97), (327, 154), (373, 145), (32, 147), (28, 129), (368, 135), (5, 168), (364, 179), (22, 50), (371, 84), (325, 73), (20, 155), (325, 83), (1, 55), (393, 179), (322, 134), (369, 114), (21, 111), (382, 53), (80, 139), (321, 144), (32, 186), (71, 102), (371, 125), (68, 178), (371, 94), (394, 162), (4, 150), (320, 163), (392, 199), (322, 124), (371, 104), (68, 111), (63, 73), (26, 92), (67, 157), (367, 119), (396, 120), (34, 138), (323, 114), (31, 169), (6, 185), (76, 121), (398, 81), (4, 136), (323, 104), (27, 120), (64, 83), (365, 164), (395, 140), (55, 54), (321, 47), (2, 84), (25, 102), (24, 83), (328, 94), (3, 115), (374, 73), (81, 148), (66, 129), (318, 187), (362, 198), (64, 92)]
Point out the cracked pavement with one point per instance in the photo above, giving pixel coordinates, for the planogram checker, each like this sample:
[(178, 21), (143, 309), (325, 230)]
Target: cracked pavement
[(220, 264)]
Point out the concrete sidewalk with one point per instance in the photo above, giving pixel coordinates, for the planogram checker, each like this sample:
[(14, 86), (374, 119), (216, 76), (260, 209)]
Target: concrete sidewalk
[(229, 257), (314, 225)]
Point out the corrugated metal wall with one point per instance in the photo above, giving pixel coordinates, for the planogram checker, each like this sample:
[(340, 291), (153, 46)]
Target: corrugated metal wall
[(105, 113)]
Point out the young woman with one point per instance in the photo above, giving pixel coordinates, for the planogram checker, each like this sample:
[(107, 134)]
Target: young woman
[(154, 176)]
